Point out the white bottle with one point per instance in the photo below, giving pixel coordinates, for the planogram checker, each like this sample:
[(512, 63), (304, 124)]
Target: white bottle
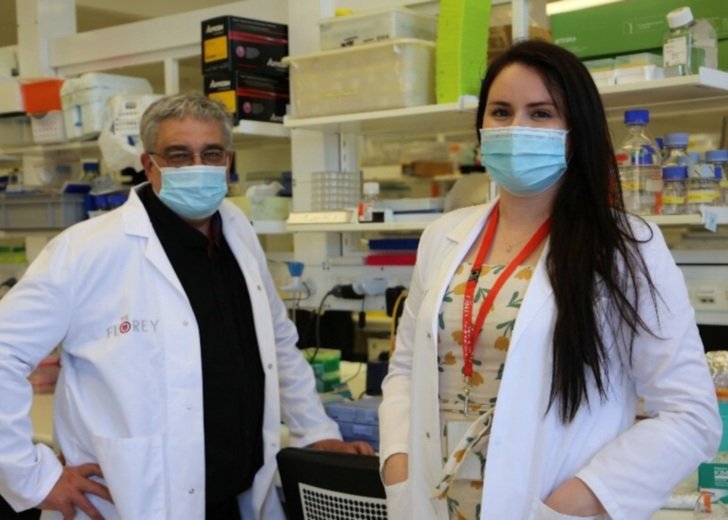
[(369, 202), (689, 44)]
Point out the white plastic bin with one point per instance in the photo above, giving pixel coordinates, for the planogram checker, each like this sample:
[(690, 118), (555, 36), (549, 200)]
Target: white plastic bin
[(84, 100), (376, 26), (42, 211), (392, 74)]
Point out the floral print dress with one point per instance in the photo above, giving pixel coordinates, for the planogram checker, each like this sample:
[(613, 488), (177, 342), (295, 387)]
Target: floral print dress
[(463, 493)]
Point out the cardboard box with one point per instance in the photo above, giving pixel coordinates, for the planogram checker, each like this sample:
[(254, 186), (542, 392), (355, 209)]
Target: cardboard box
[(628, 26), (230, 43), (427, 168), (713, 477), (500, 38), (256, 98)]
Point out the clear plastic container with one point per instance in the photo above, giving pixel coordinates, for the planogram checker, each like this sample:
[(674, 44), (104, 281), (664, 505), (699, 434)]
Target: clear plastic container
[(639, 164), (719, 160), (689, 44), (674, 190), (378, 76), (375, 26)]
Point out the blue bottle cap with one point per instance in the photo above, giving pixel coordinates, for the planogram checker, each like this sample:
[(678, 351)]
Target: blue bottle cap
[(716, 155), (637, 116), (675, 173), (677, 139), (295, 268)]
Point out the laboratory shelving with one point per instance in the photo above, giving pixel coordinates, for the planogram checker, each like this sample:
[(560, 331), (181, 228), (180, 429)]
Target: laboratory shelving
[(669, 96)]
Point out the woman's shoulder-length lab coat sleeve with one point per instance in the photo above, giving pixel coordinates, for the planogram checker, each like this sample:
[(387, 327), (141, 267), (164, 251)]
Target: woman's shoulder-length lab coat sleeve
[(634, 473)]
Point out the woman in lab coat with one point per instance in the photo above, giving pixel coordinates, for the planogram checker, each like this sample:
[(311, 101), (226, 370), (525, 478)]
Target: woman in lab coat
[(556, 304)]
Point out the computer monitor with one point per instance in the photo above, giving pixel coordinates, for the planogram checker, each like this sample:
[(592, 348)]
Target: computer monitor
[(321, 485)]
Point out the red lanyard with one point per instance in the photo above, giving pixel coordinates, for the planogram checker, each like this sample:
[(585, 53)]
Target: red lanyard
[(471, 331)]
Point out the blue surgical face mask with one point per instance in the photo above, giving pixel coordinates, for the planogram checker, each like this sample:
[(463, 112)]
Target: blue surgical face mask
[(524, 161), (193, 192)]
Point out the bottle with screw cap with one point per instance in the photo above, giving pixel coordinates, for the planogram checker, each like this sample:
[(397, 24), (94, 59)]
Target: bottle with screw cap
[(719, 160), (703, 186), (369, 203), (689, 44), (674, 190), (639, 161)]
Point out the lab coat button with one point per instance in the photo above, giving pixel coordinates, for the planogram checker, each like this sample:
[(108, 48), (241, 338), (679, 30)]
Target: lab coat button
[(429, 336), (191, 491), (259, 287), (185, 323), (270, 366), (427, 434)]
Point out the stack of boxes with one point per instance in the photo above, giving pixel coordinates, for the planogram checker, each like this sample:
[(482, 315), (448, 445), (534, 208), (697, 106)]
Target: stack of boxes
[(242, 67), (357, 420)]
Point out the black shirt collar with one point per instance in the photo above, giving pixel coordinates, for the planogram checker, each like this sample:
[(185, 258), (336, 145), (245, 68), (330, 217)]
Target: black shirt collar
[(167, 222)]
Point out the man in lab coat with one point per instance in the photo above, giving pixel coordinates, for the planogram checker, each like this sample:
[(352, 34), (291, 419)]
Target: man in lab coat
[(179, 361)]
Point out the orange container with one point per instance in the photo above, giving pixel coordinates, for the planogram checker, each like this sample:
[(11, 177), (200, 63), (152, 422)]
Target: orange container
[(41, 95)]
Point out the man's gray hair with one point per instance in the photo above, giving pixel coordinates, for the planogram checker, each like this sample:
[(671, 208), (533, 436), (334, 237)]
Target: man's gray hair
[(194, 105)]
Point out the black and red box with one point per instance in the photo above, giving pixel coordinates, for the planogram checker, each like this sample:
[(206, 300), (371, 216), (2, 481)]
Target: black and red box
[(234, 44), (257, 98)]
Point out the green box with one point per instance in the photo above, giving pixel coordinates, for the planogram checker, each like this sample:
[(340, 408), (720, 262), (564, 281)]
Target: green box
[(713, 477), (723, 55), (462, 48), (326, 367), (628, 26)]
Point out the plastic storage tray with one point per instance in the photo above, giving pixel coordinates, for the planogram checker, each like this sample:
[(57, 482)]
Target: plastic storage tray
[(48, 128), (41, 211), (356, 29), (392, 74)]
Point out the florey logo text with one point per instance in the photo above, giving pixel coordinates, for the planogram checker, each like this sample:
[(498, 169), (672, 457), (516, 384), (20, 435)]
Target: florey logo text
[(128, 325)]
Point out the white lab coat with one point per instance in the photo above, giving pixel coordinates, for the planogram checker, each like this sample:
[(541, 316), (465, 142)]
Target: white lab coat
[(130, 392), (631, 468)]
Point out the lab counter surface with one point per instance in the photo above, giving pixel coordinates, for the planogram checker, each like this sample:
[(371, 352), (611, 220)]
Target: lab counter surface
[(42, 417)]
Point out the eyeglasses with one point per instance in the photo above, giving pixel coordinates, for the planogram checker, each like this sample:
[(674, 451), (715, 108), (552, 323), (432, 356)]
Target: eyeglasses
[(183, 157)]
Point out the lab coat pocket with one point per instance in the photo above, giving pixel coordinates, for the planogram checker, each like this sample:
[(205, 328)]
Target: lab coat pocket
[(540, 511), (397, 500), (134, 472)]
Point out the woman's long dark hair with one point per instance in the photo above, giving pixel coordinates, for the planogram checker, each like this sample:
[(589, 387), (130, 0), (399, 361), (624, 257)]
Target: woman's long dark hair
[(593, 251)]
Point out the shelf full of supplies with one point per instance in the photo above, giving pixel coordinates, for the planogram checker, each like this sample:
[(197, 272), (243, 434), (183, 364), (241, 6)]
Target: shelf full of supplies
[(668, 96)]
